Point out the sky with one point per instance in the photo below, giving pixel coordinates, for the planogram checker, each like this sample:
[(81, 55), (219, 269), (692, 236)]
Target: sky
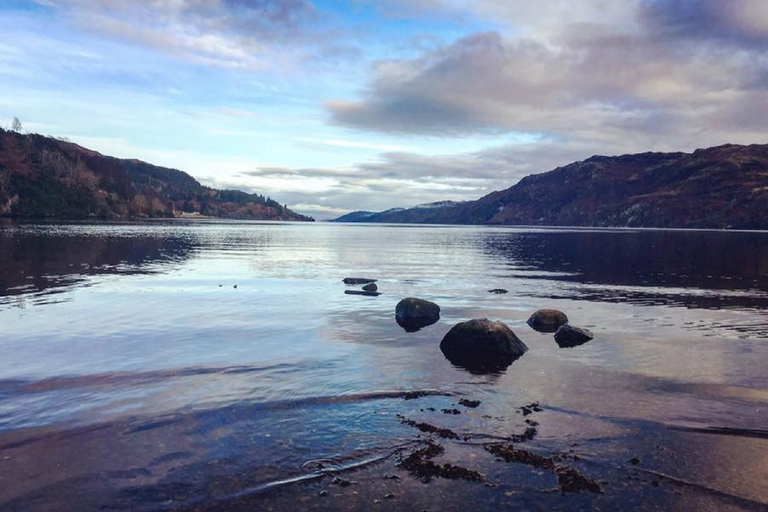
[(331, 106)]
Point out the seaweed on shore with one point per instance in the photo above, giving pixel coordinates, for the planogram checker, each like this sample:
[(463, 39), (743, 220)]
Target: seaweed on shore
[(419, 463), (530, 408), (511, 454), (413, 395), (430, 429), (528, 435), (569, 479)]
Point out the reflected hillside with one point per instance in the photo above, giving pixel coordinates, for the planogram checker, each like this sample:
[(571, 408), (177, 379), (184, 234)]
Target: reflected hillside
[(41, 260), (645, 266)]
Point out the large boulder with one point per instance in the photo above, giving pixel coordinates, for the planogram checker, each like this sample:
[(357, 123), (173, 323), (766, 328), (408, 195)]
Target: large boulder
[(568, 336), (482, 346), (412, 314), (547, 320)]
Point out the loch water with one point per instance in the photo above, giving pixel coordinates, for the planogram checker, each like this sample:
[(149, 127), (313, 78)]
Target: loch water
[(221, 366)]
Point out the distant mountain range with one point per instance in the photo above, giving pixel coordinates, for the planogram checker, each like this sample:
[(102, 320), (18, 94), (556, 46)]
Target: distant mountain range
[(44, 177), (397, 215), (719, 187)]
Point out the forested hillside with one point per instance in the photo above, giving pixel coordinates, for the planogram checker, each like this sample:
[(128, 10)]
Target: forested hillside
[(44, 177)]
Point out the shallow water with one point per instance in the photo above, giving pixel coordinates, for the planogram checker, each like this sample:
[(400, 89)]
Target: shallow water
[(221, 365)]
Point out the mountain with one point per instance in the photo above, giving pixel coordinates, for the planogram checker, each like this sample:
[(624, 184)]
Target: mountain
[(719, 187), (44, 177), (358, 216), (422, 214)]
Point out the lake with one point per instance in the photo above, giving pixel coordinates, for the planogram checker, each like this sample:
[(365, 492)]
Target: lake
[(200, 365)]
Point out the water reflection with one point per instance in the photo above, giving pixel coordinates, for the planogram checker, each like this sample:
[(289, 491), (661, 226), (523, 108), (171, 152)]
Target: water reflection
[(645, 267), (41, 261)]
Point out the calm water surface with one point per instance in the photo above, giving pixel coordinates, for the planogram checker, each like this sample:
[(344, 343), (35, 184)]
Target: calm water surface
[(221, 366)]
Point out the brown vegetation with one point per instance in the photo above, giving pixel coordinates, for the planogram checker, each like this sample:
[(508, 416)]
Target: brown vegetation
[(43, 177)]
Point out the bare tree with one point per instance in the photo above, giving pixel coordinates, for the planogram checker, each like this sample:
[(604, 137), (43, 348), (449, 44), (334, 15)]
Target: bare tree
[(16, 125)]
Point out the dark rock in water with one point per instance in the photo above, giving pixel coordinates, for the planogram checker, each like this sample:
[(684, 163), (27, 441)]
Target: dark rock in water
[(358, 280), (370, 287), (569, 336), (362, 292), (482, 346), (498, 291), (547, 320), (412, 314)]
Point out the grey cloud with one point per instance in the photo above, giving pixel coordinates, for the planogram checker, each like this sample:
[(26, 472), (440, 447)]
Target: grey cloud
[(590, 83), (413, 178), (741, 22), (289, 172), (231, 33)]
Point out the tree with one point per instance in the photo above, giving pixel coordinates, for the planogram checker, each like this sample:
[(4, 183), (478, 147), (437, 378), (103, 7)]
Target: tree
[(16, 125)]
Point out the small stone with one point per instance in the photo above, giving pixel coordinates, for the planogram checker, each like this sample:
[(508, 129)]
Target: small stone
[(370, 287), (498, 291), (341, 482), (547, 320), (358, 280), (568, 336), (634, 461), (362, 292), (323, 493)]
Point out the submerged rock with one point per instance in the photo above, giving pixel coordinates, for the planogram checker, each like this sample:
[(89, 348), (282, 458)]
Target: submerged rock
[(362, 292), (498, 291), (412, 314), (482, 346), (547, 320), (370, 287), (568, 336), (358, 280)]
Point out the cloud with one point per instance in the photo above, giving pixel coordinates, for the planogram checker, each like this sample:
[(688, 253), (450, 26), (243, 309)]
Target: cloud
[(252, 34), (659, 77), (407, 178), (742, 23)]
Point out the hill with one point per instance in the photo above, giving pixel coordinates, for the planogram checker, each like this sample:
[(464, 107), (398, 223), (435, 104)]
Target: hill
[(719, 187), (44, 177), (421, 214)]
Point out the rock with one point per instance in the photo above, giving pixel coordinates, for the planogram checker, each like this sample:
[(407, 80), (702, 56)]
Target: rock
[(498, 291), (358, 280), (482, 346), (362, 292), (370, 287), (568, 336), (341, 482), (412, 314), (547, 320)]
